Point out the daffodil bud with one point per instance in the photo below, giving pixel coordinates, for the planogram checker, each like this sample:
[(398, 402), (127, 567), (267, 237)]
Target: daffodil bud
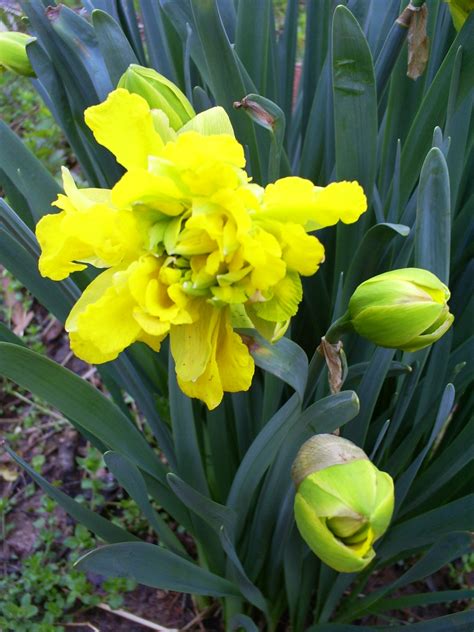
[(343, 503), (403, 309), (13, 55), (159, 92)]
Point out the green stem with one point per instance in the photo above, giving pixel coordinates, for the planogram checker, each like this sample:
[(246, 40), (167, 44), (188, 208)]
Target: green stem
[(340, 327), (232, 606)]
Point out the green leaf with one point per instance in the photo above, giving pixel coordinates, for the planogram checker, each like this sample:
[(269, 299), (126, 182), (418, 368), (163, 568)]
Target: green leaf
[(433, 217), (368, 392), (242, 622), (432, 110), (246, 587), (284, 359), (317, 36), (8, 336), (80, 402), (287, 45), (158, 44), (317, 154), (446, 465), (114, 46), (252, 39), (27, 173), (422, 599), (406, 479), (188, 453), (214, 514), (156, 567), (446, 549), (73, 30), (421, 531), (355, 102), (366, 260), (103, 528), (129, 477)]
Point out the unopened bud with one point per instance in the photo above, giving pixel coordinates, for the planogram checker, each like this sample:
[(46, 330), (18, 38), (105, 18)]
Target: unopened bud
[(343, 503)]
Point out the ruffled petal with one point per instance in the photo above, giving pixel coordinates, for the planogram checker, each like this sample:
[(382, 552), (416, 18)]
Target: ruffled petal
[(99, 235), (123, 123), (219, 360), (286, 295), (101, 324), (206, 163), (298, 201)]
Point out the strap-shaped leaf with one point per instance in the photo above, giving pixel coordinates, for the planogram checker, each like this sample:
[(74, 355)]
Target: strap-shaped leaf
[(443, 551), (129, 477), (188, 454), (433, 217), (422, 599), (284, 359), (156, 567), (8, 336), (247, 588), (405, 481), (368, 392), (355, 102), (366, 260), (80, 402), (243, 622), (114, 46), (421, 531), (214, 514), (103, 528), (27, 173), (432, 109)]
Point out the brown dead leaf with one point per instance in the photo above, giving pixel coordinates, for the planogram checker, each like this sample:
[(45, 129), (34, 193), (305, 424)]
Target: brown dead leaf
[(21, 318), (418, 43), (332, 355)]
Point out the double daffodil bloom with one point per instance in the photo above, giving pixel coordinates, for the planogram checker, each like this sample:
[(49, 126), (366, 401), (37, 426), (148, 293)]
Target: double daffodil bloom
[(191, 247)]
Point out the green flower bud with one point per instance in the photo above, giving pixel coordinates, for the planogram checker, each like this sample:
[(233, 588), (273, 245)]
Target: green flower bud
[(159, 92), (13, 55), (402, 309), (343, 503)]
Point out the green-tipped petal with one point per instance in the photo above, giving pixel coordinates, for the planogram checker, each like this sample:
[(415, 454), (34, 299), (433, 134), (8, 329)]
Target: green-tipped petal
[(324, 544)]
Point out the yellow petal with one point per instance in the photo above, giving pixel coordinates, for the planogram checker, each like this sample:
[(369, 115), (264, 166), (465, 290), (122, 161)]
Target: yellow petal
[(123, 123), (229, 366), (155, 192), (301, 252), (101, 324), (298, 201), (343, 201), (79, 199), (206, 163), (99, 235), (286, 296), (236, 365), (192, 345)]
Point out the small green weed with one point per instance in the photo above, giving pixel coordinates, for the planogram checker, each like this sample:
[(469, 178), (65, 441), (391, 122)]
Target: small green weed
[(45, 593)]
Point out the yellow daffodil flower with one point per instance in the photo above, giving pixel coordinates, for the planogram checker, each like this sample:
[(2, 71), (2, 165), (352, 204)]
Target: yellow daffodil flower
[(191, 247)]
